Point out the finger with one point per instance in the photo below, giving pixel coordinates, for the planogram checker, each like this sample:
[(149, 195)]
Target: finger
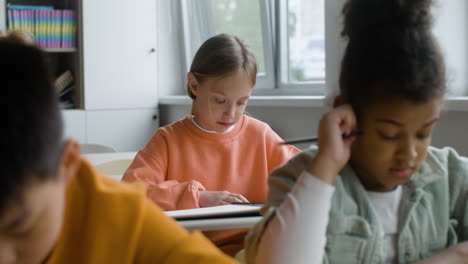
[(233, 199), (242, 198), (348, 142), (331, 128), (224, 194), (347, 120)]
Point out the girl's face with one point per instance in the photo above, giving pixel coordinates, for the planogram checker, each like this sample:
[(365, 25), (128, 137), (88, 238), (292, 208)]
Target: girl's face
[(396, 134), (220, 102)]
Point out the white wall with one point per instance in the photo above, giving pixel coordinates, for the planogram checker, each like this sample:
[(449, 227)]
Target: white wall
[(451, 28), (171, 70)]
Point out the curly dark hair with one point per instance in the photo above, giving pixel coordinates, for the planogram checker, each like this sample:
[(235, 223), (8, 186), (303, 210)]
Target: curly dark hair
[(391, 51)]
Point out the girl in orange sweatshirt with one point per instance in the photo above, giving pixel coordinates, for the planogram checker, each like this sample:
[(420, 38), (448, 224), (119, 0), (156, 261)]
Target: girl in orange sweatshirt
[(218, 155)]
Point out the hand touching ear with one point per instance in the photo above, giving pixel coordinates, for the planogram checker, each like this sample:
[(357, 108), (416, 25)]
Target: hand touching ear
[(334, 150)]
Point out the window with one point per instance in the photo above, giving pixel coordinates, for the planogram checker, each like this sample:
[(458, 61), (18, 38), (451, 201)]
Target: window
[(447, 16), (289, 36), (302, 49), (306, 37), (454, 42), (256, 22)]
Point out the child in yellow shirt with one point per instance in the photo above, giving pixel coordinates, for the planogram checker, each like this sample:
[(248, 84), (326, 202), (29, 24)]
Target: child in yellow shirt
[(54, 207)]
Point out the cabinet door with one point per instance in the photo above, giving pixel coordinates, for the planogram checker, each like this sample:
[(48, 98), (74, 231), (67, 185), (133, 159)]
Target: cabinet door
[(74, 122), (124, 130), (119, 54), (3, 15)]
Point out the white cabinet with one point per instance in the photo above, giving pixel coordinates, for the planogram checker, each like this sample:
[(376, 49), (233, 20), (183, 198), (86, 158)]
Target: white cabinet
[(124, 130), (120, 96), (119, 54), (75, 124), (2, 15)]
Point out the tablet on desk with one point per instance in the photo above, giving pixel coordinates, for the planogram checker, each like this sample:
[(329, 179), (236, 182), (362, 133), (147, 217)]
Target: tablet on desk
[(221, 217), (221, 211)]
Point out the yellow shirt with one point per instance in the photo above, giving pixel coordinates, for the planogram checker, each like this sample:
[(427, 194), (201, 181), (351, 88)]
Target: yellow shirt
[(112, 222)]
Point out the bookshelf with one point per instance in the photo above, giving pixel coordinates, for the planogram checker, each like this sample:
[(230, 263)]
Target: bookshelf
[(114, 65), (55, 26)]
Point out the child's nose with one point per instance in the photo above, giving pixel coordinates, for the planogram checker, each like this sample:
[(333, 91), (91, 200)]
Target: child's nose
[(408, 150), (229, 111)]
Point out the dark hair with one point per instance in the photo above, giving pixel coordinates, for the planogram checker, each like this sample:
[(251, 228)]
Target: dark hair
[(391, 51), (31, 141), (221, 55)]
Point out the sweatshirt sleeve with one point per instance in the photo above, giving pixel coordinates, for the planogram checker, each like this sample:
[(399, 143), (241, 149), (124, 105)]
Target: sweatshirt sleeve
[(162, 240), (277, 153), (457, 168), (300, 223), (281, 183), (150, 167)]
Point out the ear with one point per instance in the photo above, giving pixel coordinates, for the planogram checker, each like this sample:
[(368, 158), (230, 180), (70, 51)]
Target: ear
[(339, 100), (193, 83), (70, 161)]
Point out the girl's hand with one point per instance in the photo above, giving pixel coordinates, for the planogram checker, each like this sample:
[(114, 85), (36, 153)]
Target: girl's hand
[(213, 198), (333, 150)]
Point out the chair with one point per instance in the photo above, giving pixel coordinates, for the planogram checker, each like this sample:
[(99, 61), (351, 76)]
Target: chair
[(96, 148), (114, 168), (112, 164)]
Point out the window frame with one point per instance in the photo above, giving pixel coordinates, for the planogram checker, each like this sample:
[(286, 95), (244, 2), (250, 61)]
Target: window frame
[(264, 81), (275, 37), (274, 81), (283, 83)]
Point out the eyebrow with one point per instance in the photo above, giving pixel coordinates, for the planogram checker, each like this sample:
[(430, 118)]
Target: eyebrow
[(393, 122), (222, 94), (16, 221)]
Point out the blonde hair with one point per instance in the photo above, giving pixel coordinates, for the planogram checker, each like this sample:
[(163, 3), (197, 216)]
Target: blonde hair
[(221, 55)]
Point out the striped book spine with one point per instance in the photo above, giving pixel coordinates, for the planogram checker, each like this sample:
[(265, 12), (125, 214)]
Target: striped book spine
[(52, 28), (68, 28)]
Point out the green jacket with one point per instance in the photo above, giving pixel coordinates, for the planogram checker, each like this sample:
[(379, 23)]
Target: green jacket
[(433, 216)]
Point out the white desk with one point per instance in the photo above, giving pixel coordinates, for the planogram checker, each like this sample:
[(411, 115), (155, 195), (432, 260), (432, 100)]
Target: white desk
[(220, 223), (221, 217), (112, 164)]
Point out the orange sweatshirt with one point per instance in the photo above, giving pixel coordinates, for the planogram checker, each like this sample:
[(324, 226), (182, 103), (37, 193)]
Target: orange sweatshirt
[(181, 159), (107, 221)]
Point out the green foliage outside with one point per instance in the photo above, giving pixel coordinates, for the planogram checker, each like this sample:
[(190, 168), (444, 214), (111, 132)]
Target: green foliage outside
[(242, 19)]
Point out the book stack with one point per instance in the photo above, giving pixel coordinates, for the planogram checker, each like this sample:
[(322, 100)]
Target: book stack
[(64, 84), (52, 28)]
